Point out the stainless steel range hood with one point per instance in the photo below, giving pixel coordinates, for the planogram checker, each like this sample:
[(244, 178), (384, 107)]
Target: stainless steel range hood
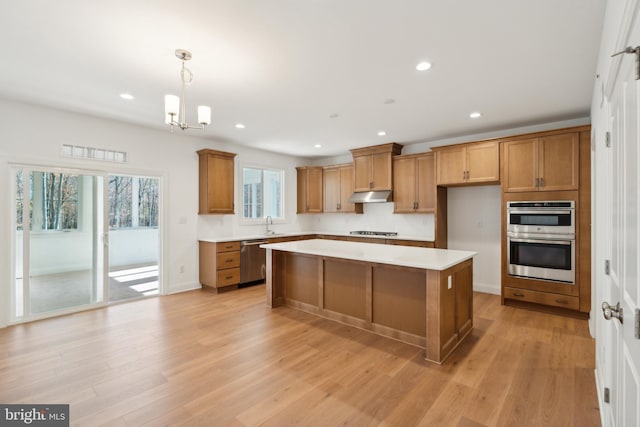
[(371, 197)]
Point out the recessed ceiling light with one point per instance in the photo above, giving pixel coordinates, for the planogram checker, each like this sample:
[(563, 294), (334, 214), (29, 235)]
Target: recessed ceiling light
[(423, 66), (334, 116), (382, 133), (240, 126), (318, 146), (475, 115), (389, 101), (127, 96)]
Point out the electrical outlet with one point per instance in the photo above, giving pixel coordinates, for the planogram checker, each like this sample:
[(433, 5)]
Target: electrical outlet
[(182, 269)]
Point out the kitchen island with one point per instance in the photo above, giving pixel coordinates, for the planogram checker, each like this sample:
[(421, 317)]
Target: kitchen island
[(420, 296)]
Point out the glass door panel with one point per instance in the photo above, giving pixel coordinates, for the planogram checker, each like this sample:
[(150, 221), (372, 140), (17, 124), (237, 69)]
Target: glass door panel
[(60, 256), (134, 236)]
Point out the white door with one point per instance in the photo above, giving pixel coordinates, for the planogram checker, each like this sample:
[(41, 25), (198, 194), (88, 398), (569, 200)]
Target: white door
[(617, 210)]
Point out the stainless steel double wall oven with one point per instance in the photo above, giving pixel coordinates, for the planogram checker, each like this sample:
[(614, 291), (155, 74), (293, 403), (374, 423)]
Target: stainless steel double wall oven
[(541, 240)]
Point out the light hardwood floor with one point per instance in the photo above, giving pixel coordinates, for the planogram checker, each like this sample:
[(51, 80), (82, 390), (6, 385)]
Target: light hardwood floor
[(200, 359)]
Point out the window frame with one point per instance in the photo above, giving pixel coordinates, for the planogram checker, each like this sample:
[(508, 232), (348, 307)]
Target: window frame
[(240, 202)]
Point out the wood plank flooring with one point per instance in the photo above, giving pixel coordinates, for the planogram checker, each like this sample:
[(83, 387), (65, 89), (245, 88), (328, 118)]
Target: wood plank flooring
[(201, 359)]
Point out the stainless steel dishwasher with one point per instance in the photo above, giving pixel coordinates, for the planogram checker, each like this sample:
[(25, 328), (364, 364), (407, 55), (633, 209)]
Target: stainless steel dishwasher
[(252, 261)]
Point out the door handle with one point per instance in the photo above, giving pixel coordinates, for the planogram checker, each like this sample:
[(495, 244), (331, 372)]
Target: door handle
[(609, 312)]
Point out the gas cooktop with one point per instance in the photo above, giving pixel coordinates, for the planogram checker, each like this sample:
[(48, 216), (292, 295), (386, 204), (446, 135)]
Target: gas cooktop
[(373, 233)]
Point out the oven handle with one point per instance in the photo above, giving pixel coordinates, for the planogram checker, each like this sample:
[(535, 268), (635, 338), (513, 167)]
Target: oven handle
[(552, 242), (537, 212)]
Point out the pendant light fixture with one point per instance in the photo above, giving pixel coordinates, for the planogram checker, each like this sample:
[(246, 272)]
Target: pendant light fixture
[(174, 109)]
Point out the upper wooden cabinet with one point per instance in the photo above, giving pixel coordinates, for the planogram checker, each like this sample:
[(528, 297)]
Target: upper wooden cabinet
[(309, 189), (546, 163), (414, 183), (373, 167), (338, 187), (465, 164), (216, 182)]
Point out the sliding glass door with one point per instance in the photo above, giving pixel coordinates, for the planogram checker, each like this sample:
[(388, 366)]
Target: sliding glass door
[(134, 236), (60, 234)]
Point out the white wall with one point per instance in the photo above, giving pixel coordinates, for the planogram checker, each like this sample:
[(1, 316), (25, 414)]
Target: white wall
[(474, 218), (378, 217)]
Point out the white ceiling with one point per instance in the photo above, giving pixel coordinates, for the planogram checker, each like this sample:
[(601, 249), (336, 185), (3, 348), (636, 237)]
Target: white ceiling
[(282, 67)]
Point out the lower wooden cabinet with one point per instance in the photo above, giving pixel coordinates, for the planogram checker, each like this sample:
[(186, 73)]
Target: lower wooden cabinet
[(415, 243), (544, 298), (219, 264)]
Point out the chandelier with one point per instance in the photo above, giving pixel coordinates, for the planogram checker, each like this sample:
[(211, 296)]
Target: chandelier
[(174, 109)]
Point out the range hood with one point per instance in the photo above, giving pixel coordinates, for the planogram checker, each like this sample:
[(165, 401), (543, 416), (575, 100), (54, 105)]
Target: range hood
[(371, 197)]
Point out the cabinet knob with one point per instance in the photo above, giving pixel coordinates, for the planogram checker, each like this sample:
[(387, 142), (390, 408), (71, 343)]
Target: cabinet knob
[(541, 182), (338, 206), (518, 294), (371, 184)]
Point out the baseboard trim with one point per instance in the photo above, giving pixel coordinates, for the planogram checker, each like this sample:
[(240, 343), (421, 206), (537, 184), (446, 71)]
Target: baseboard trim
[(487, 289), (183, 287)]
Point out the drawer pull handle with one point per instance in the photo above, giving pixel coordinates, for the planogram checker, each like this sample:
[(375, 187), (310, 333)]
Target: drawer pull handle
[(517, 294), (228, 261), (562, 301), (229, 277)]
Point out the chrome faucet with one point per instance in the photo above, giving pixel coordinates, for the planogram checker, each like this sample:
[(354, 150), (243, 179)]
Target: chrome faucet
[(267, 222)]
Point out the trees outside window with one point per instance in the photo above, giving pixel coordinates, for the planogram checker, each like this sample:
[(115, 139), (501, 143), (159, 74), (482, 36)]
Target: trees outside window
[(52, 199), (133, 202)]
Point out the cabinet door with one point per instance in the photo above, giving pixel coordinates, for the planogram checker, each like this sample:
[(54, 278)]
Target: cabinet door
[(450, 166), (426, 183), (381, 171), (301, 191), (219, 185), (362, 173), (331, 190), (482, 162), (520, 165), (314, 190), (346, 189), (558, 165), (404, 184)]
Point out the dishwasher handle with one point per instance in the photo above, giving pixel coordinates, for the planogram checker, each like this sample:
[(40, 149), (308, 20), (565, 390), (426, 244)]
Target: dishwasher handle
[(261, 242)]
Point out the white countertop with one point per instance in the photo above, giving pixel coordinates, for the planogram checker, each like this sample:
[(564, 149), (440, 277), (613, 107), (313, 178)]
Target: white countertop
[(303, 233), (406, 256)]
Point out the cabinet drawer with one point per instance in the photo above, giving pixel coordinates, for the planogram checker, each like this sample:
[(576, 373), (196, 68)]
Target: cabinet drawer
[(554, 300), (227, 260), (228, 246), (228, 277), (416, 243)]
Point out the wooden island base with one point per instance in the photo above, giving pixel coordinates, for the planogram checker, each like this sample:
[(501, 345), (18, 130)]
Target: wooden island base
[(431, 309)]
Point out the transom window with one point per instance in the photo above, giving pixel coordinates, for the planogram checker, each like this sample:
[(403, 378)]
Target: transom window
[(262, 193)]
